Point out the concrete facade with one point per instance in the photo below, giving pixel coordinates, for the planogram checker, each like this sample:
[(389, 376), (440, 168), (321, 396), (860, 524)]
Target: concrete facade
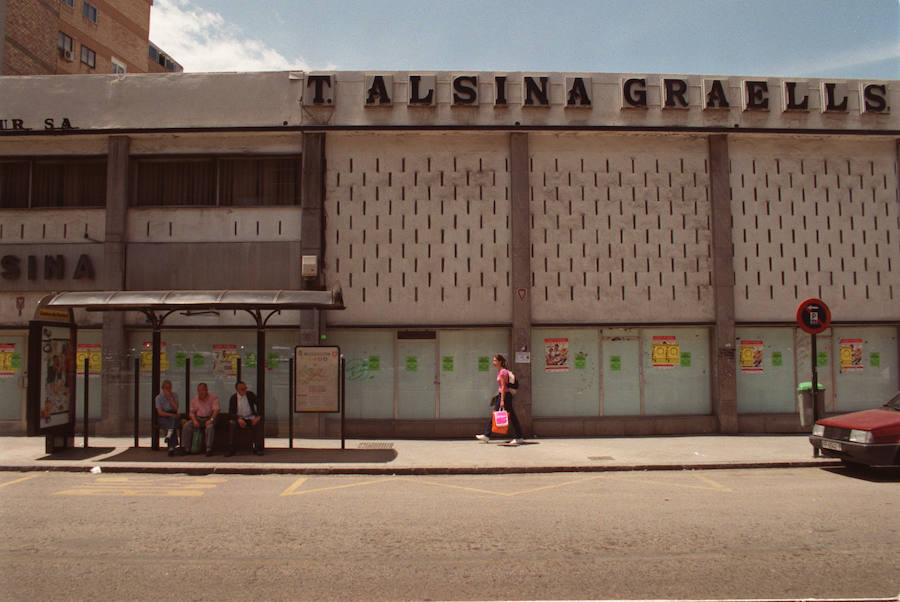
[(615, 215)]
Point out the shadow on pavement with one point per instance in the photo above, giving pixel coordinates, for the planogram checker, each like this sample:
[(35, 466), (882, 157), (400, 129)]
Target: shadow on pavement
[(881, 474), (78, 453), (272, 456)]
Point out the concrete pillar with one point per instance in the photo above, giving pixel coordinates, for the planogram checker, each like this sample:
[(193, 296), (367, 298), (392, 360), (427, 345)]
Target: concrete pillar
[(312, 225), (724, 370), (312, 242), (520, 242), (116, 377)]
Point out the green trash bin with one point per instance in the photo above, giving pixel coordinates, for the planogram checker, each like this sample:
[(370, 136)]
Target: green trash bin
[(804, 398)]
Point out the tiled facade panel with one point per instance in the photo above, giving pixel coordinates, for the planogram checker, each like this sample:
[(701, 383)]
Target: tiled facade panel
[(815, 218), (417, 228), (620, 229)]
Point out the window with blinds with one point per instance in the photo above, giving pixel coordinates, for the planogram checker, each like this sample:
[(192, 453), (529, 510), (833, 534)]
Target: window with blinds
[(217, 181), (50, 183)]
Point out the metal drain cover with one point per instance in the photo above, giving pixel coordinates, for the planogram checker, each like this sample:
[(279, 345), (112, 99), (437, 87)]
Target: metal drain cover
[(376, 445)]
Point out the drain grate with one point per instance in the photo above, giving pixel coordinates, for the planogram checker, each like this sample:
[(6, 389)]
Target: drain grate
[(376, 445), (600, 458)]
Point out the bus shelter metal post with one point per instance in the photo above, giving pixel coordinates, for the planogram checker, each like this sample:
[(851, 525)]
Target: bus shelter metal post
[(154, 387), (342, 389), (187, 389), (87, 395), (261, 366), (291, 403), (137, 400)]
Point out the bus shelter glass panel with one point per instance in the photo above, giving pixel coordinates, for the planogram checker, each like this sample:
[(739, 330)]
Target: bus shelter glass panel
[(621, 372), (279, 351), (803, 349), (676, 371), (416, 378), (213, 359), (865, 366), (468, 378), (765, 370), (90, 346), (369, 375), (13, 360), (565, 371)]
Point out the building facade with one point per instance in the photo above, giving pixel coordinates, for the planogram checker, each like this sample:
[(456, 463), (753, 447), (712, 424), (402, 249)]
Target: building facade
[(59, 37), (636, 245)]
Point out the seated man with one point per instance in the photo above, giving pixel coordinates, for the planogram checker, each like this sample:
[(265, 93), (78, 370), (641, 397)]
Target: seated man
[(204, 409), (167, 412), (244, 415)]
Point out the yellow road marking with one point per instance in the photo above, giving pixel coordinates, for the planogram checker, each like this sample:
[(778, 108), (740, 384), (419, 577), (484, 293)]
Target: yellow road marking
[(131, 486), (31, 476), (708, 485), (292, 489)]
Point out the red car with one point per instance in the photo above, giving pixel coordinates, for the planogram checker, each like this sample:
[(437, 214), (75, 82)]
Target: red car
[(870, 438)]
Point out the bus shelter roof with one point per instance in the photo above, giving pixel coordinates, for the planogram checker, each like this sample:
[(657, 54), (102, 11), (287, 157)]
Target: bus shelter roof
[(196, 300)]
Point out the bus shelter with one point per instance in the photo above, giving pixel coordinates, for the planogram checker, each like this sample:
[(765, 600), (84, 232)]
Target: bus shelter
[(53, 336)]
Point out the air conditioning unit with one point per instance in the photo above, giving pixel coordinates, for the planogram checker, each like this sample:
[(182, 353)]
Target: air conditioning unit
[(69, 55)]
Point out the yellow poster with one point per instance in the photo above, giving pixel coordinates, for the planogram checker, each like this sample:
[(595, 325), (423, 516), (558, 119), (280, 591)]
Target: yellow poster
[(147, 357), (851, 355), (92, 353), (666, 353), (751, 356)]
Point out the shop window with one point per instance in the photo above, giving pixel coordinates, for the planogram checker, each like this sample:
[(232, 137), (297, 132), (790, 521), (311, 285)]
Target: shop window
[(89, 12), (88, 56), (52, 183), (210, 181)]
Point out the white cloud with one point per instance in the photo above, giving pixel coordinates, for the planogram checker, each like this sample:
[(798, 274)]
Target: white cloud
[(201, 41)]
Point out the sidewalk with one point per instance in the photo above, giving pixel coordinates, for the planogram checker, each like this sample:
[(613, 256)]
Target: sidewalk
[(325, 456)]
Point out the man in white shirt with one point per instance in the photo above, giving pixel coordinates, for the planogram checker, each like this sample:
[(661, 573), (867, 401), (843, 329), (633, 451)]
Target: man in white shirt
[(245, 414)]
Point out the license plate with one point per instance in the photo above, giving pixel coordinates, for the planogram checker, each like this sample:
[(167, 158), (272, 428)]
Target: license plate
[(833, 445)]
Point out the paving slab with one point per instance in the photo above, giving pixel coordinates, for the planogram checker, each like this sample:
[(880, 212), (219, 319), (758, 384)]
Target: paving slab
[(325, 456)]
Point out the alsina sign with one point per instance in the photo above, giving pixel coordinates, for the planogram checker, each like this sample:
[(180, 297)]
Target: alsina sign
[(638, 92)]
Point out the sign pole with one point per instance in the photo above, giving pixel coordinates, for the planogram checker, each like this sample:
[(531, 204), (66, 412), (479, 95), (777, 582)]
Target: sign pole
[(343, 405), (815, 378), (87, 395)]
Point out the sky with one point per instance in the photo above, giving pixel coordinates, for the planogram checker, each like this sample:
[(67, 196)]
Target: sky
[(778, 38)]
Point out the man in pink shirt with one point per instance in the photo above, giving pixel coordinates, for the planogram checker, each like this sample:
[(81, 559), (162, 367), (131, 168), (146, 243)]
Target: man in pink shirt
[(204, 409)]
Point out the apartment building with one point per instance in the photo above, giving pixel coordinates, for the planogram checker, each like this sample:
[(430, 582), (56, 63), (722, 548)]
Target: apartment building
[(56, 37)]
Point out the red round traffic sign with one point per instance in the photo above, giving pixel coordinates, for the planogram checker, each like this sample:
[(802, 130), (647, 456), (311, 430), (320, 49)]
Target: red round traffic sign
[(813, 316)]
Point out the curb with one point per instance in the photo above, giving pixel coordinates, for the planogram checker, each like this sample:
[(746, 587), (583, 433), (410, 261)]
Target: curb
[(416, 471)]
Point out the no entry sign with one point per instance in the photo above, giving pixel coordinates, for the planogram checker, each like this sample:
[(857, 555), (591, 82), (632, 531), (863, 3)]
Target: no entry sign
[(813, 316)]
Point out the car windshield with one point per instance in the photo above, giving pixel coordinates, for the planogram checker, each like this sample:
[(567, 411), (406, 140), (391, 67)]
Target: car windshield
[(894, 403)]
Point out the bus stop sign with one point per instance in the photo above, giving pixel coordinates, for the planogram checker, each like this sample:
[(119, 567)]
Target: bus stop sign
[(813, 316)]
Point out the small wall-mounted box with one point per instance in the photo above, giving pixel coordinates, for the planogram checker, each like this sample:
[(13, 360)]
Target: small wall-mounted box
[(309, 266)]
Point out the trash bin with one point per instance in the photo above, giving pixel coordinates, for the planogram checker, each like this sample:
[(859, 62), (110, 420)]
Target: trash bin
[(804, 397)]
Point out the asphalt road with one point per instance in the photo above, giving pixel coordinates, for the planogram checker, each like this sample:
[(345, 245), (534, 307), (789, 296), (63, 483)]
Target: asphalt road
[(780, 533)]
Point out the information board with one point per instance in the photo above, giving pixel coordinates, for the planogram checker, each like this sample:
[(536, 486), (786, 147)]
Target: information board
[(317, 379)]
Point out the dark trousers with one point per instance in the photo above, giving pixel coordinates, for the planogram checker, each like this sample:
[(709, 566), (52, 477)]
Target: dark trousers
[(233, 426), (508, 406)]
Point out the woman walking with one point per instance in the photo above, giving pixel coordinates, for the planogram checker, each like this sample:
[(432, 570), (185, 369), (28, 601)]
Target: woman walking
[(504, 402)]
